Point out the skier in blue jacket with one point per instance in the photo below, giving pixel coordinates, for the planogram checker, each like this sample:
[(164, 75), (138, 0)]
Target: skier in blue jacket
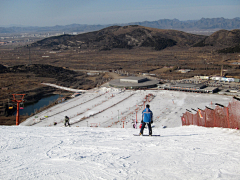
[(147, 116)]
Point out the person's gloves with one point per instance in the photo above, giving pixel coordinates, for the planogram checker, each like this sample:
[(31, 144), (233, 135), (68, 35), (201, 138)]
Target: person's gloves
[(151, 121), (141, 121)]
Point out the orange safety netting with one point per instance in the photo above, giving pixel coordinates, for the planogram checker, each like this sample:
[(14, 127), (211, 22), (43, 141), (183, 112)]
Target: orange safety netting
[(226, 117)]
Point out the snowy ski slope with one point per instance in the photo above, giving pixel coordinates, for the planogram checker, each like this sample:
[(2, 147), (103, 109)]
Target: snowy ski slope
[(39, 150), (84, 153), (108, 107)]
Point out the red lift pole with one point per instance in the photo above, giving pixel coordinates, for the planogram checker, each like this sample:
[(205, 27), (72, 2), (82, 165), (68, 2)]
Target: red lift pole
[(136, 116), (18, 101)]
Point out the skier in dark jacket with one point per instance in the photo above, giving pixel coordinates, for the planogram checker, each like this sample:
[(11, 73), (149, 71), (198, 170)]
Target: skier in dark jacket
[(147, 116), (67, 121)]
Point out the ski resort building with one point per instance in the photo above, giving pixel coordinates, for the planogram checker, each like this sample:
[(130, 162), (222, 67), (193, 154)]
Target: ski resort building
[(134, 83), (200, 88)]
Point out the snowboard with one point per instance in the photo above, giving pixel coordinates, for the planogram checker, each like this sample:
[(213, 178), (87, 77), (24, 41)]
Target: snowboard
[(146, 135)]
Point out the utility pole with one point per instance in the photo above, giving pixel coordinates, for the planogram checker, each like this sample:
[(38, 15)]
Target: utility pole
[(136, 120), (221, 74), (118, 115), (18, 101)]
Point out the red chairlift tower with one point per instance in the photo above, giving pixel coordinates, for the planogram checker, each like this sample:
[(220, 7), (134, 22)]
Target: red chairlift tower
[(18, 101)]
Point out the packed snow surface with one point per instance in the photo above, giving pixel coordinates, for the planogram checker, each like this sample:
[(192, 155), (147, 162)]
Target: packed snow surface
[(38, 149), (114, 153), (109, 107)]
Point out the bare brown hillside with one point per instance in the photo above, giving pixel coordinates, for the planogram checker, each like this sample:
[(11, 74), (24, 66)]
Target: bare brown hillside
[(222, 38), (127, 37)]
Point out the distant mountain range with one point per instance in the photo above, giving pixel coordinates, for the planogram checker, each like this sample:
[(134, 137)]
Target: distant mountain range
[(205, 24)]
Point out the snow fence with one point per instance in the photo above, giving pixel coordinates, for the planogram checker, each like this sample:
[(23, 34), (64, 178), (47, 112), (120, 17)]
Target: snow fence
[(221, 116)]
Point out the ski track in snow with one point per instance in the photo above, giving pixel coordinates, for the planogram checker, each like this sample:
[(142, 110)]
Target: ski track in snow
[(38, 150), (114, 153), (107, 107)]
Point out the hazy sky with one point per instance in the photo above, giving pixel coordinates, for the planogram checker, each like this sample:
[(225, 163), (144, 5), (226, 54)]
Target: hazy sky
[(64, 12)]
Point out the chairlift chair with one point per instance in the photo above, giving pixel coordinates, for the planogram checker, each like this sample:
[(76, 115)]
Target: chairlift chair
[(21, 105), (10, 106)]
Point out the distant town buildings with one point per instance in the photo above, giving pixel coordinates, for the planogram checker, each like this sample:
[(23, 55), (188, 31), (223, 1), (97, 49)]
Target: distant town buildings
[(187, 87), (217, 78), (25, 38), (236, 63)]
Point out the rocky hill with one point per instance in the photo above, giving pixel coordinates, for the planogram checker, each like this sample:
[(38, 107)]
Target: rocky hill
[(135, 36), (222, 38), (132, 36), (229, 41)]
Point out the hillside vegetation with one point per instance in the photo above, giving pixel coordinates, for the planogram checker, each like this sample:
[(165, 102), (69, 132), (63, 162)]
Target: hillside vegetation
[(130, 37), (127, 37)]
